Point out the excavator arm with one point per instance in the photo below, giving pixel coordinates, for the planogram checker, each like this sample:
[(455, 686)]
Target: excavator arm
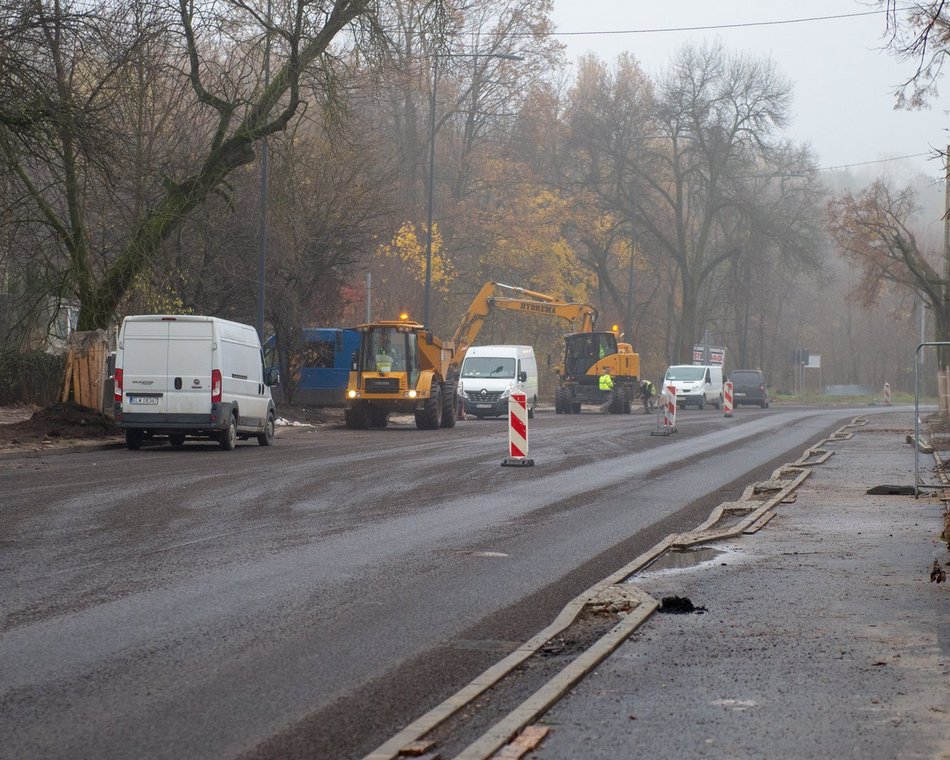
[(581, 316)]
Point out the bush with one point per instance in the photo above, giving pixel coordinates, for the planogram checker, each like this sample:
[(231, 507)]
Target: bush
[(34, 377)]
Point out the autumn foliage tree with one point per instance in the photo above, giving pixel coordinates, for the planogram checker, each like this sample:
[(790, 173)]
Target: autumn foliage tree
[(876, 228)]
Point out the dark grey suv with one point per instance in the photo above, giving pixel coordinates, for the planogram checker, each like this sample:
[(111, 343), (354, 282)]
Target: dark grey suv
[(748, 387)]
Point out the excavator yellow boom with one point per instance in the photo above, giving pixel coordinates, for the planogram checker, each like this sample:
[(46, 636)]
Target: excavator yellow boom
[(581, 316)]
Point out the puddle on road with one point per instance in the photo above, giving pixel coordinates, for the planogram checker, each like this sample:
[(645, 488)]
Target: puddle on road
[(686, 559)]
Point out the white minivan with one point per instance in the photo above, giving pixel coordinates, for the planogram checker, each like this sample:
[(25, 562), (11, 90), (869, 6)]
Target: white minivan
[(186, 375), (490, 373), (696, 384)]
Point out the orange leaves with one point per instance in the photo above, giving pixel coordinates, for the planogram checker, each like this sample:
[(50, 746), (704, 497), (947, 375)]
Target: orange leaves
[(524, 236)]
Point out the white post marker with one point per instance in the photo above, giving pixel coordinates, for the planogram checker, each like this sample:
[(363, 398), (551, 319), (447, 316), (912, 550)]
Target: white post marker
[(518, 431), (727, 398), (887, 394)]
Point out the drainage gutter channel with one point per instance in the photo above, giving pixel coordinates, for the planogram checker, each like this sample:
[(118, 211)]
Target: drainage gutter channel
[(754, 507)]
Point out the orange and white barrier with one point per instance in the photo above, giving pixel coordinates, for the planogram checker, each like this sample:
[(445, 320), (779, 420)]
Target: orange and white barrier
[(887, 394), (727, 399), (518, 431)]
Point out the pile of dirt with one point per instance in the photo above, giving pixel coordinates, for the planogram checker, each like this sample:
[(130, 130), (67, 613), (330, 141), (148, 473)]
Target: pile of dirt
[(68, 423), (59, 422)]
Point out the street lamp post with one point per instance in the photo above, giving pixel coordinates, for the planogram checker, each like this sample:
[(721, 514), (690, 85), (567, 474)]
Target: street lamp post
[(262, 230), (430, 196)]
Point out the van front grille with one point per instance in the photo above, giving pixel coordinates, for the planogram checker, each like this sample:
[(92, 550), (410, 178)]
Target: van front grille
[(484, 395)]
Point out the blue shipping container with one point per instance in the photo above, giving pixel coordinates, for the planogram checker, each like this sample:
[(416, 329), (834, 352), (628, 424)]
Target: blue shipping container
[(321, 369)]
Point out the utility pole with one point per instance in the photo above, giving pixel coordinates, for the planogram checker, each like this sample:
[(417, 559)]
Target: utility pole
[(944, 305), (262, 229), (369, 297), (946, 232), (631, 285), (946, 225)]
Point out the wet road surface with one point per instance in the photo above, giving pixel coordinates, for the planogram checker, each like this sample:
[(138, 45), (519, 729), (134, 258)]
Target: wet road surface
[(308, 599)]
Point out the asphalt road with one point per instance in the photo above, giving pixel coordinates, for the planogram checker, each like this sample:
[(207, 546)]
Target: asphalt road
[(309, 599)]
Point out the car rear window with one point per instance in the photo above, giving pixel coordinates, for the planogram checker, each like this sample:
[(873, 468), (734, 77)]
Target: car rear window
[(747, 378)]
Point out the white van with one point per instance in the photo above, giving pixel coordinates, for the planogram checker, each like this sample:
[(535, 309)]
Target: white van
[(490, 373), (697, 384), (187, 375)]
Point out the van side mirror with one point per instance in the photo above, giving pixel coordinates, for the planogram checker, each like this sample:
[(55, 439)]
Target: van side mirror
[(522, 376), (272, 377)]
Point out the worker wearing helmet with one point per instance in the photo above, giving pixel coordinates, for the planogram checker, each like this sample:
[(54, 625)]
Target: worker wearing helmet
[(606, 385), (647, 392)]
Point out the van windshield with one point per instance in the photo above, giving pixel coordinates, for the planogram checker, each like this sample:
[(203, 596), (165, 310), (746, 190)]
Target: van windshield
[(686, 373), (488, 366)]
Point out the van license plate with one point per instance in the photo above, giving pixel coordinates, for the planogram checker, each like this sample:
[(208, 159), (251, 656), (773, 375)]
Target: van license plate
[(483, 406), (147, 400)]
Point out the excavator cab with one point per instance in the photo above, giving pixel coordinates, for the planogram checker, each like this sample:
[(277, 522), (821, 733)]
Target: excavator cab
[(584, 350), (587, 355)]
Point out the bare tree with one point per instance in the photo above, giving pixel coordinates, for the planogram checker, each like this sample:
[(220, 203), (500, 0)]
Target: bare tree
[(876, 227), (920, 34), (609, 116), (714, 120), (220, 62)]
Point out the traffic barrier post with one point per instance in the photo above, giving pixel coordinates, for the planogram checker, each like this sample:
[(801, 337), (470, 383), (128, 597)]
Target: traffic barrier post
[(887, 394), (518, 431), (668, 404), (727, 398)]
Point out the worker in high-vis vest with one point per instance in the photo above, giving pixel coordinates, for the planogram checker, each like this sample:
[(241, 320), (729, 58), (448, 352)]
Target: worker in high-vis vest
[(384, 359), (606, 385)]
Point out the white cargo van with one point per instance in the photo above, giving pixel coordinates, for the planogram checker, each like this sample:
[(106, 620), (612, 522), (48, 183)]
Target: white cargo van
[(185, 375), (696, 384), (490, 373)]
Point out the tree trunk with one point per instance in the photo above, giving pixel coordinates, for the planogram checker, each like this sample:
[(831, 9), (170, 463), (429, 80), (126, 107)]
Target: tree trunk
[(687, 332)]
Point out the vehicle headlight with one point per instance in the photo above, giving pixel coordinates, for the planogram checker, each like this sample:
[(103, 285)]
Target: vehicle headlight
[(352, 394), (411, 394)]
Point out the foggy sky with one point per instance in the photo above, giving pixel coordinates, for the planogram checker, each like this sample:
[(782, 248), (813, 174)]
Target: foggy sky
[(843, 80)]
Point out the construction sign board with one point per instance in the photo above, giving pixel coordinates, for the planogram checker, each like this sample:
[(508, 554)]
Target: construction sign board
[(713, 355)]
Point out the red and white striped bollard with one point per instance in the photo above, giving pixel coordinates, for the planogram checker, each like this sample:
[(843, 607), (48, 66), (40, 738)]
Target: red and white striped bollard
[(887, 394), (518, 431), (727, 399)]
